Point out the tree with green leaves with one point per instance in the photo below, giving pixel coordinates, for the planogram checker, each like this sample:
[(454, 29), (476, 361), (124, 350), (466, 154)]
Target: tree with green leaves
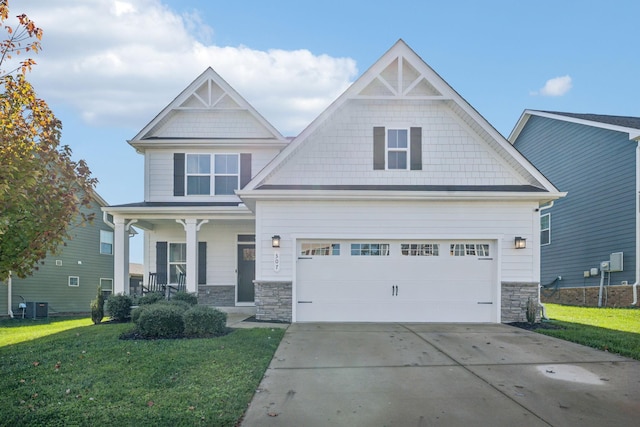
[(42, 190)]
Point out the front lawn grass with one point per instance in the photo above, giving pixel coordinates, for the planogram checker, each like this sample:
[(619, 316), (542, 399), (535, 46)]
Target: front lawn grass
[(87, 376), (616, 330)]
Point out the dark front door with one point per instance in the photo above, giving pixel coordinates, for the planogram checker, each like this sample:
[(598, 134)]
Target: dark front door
[(246, 272)]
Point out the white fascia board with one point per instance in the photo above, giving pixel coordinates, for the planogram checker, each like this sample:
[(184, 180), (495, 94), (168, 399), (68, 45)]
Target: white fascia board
[(397, 195), (181, 211), (140, 146), (522, 121)]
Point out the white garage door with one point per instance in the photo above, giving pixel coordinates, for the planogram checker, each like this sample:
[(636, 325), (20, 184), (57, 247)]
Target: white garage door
[(396, 281)]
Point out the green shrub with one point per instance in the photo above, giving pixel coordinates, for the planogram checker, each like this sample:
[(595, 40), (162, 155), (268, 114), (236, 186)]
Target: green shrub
[(192, 299), (97, 307), (119, 307), (151, 298), (182, 305), (201, 321), (135, 313), (161, 321)]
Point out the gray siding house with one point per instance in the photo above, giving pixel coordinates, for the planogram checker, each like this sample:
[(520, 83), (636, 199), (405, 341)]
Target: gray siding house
[(67, 281), (594, 158)]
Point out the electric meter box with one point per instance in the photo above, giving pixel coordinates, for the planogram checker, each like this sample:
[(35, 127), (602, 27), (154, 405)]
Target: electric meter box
[(615, 262)]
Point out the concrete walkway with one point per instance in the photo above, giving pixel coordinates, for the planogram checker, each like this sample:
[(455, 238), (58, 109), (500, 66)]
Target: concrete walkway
[(441, 375)]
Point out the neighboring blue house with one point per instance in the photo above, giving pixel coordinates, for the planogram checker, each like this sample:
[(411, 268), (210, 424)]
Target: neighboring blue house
[(595, 159), (67, 282)]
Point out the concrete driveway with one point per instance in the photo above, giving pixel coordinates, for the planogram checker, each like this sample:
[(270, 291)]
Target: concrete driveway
[(441, 375)]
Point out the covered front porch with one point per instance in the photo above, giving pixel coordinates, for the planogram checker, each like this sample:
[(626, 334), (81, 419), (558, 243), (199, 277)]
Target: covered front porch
[(208, 250)]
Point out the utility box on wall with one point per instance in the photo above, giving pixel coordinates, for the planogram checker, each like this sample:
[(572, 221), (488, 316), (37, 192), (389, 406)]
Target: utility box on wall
[(37, 310), (615, 262)]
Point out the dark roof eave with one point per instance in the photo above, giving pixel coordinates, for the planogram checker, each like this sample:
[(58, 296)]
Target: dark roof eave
[(417, 188)]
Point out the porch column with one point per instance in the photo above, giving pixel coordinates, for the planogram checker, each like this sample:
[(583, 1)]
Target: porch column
[(120, 256), (190, 227)]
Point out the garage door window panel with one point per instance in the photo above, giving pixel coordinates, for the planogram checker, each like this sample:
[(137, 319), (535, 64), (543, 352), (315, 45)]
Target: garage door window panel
[(420, 249), (320, 249), (369, 249), (469, 249)]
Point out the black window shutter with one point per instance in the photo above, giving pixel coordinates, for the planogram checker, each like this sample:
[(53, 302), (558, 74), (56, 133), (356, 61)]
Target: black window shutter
[(245, 169), (161, 262), (416, 149), (378, 148), (178, 174), (202, 263)]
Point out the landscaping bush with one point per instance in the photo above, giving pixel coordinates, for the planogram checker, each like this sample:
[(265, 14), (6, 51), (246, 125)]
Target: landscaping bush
[(182, 305), (119, 307), (192, 299), (97, 307), (161, 321), (202, 321), (135, 313), (151, 298)]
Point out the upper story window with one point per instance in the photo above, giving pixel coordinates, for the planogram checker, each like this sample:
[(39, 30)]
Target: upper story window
[(106, 242), (199, 174), (227, 173), (397, 148), (224, 171), (545, 229)]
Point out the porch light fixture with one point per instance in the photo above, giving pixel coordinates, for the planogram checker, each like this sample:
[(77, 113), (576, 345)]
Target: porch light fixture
[(275, 241), (520, 242)]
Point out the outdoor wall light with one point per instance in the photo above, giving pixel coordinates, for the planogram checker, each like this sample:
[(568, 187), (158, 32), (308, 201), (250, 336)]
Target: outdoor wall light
[(520, 243), (275, 241)]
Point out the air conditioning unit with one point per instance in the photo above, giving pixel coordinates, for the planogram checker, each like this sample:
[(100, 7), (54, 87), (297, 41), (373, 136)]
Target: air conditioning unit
[(37, 310)]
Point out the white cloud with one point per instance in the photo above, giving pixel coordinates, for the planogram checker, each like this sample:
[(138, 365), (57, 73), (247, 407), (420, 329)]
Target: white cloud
[(556, 86), (119, 62)]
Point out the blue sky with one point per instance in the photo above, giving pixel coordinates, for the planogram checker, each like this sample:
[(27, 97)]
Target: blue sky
[(109, 66)]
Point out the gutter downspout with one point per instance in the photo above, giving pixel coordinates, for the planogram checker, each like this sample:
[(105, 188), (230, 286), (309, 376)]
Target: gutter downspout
[(543, 309), (9, 296), (635, 285)]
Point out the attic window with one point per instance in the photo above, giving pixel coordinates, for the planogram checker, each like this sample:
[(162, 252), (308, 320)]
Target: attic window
[(397, 148)]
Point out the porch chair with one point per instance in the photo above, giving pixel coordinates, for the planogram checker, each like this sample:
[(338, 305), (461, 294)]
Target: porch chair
[(157, 283), (180, 287)]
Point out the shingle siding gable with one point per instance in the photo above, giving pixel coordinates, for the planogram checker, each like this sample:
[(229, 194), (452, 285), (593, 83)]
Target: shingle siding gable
[(597, 217), (341, 152)]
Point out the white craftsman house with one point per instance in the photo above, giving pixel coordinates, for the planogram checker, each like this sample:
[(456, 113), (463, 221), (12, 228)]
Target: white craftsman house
[(398, 203)]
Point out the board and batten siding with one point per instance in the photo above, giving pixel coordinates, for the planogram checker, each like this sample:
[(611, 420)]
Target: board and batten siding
[(221, 237), (159, 172), (80, 257), (596, 167), (361, 220), (341, 152)]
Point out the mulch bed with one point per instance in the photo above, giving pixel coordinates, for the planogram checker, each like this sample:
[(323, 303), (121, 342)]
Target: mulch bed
[(533, 326)]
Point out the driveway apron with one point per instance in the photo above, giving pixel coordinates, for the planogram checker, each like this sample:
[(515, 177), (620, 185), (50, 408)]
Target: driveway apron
[(369, 374)]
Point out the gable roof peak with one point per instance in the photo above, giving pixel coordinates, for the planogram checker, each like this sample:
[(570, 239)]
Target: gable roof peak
[(207, 92)]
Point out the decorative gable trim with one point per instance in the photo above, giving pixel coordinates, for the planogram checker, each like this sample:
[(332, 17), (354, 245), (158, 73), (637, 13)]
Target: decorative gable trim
[(207, 94), (400, 74)]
